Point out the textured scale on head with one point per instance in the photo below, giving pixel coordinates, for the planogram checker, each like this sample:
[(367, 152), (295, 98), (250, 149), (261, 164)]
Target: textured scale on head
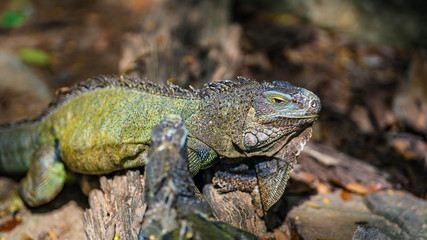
[(278, 110), (251, 118)]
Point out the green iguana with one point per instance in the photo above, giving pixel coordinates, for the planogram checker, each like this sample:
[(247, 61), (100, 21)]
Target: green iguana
[(173, 209), (104, 124)]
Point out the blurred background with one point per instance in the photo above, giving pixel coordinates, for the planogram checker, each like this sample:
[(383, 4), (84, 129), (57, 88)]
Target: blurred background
[(365, 59)]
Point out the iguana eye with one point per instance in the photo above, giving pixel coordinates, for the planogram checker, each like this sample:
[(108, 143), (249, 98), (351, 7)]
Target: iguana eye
[(278, 99)]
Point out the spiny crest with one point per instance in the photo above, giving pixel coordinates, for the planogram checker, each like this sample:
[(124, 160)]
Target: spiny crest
[(214, 88), (243, 80), (168, 89), (104, 82)]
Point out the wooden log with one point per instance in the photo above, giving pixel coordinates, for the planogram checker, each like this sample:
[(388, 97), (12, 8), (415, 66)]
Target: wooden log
[(235, 208), (329, 165), (117, 208)]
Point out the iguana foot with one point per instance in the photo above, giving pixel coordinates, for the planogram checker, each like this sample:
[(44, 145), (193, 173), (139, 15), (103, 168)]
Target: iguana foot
[(45, 177), (240, 178), (10, 202), (235, 178)]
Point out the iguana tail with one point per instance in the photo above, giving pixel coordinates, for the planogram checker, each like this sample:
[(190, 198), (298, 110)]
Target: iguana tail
[(18, 142)]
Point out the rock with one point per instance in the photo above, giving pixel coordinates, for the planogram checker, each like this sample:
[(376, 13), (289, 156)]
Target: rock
[(364, 232), (403, 209), (329, 165), (328, 216)]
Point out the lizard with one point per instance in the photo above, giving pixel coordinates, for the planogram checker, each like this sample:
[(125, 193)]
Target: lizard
[(173, 209), (104, 124)]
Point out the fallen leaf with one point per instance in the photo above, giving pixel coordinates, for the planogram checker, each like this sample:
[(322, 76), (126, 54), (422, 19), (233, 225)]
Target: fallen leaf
[(35, 56), (25, 236), (357, 188), (323, 188), (375, 187), (313, 205), (346, 195), (326, 201), (52, 235), (10, 225), (13, 19), (160, 39)]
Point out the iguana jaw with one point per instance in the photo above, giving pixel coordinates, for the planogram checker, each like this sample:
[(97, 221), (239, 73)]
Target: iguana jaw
[(313, 117), (266, 138)]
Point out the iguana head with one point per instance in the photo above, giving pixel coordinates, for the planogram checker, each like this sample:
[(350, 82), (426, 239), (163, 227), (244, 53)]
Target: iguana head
[(278, 125), (277, 113), (270, 120)]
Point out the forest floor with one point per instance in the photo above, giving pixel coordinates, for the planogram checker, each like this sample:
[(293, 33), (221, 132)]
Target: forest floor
[(368, 153)]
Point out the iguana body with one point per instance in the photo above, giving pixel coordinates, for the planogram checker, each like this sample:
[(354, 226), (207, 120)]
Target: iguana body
[(104, 124)]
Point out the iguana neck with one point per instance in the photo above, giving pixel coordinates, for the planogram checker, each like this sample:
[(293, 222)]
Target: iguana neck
[(221, 116)]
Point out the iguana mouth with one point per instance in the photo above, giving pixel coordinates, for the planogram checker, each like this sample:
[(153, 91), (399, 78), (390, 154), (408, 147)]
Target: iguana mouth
[(301, 116), (287, 120), (281, 117)]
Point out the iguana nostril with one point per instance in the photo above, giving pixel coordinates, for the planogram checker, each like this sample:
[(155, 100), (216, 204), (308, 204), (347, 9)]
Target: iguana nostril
[(314, 106)]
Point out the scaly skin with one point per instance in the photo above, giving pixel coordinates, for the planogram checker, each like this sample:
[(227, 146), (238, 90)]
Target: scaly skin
[(105, 123)]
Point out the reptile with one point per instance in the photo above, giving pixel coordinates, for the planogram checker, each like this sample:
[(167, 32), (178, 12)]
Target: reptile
[(104, 124), (173, 209)]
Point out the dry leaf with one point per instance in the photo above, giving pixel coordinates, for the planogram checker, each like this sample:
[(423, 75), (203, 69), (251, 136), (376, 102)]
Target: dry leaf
[(280, 235), (357, 188), (313, 205), (323, 188), (346, 195), (375, 187)]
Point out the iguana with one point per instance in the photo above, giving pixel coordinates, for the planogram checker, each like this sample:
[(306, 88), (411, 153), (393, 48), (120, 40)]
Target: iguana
[(104, 124), (173, 209)]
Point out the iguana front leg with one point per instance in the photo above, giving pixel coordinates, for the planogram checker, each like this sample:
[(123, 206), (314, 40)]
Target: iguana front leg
[(269, 173), (231, 178), (200, 156), (45, 177), (10, 202), (44, 180)]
